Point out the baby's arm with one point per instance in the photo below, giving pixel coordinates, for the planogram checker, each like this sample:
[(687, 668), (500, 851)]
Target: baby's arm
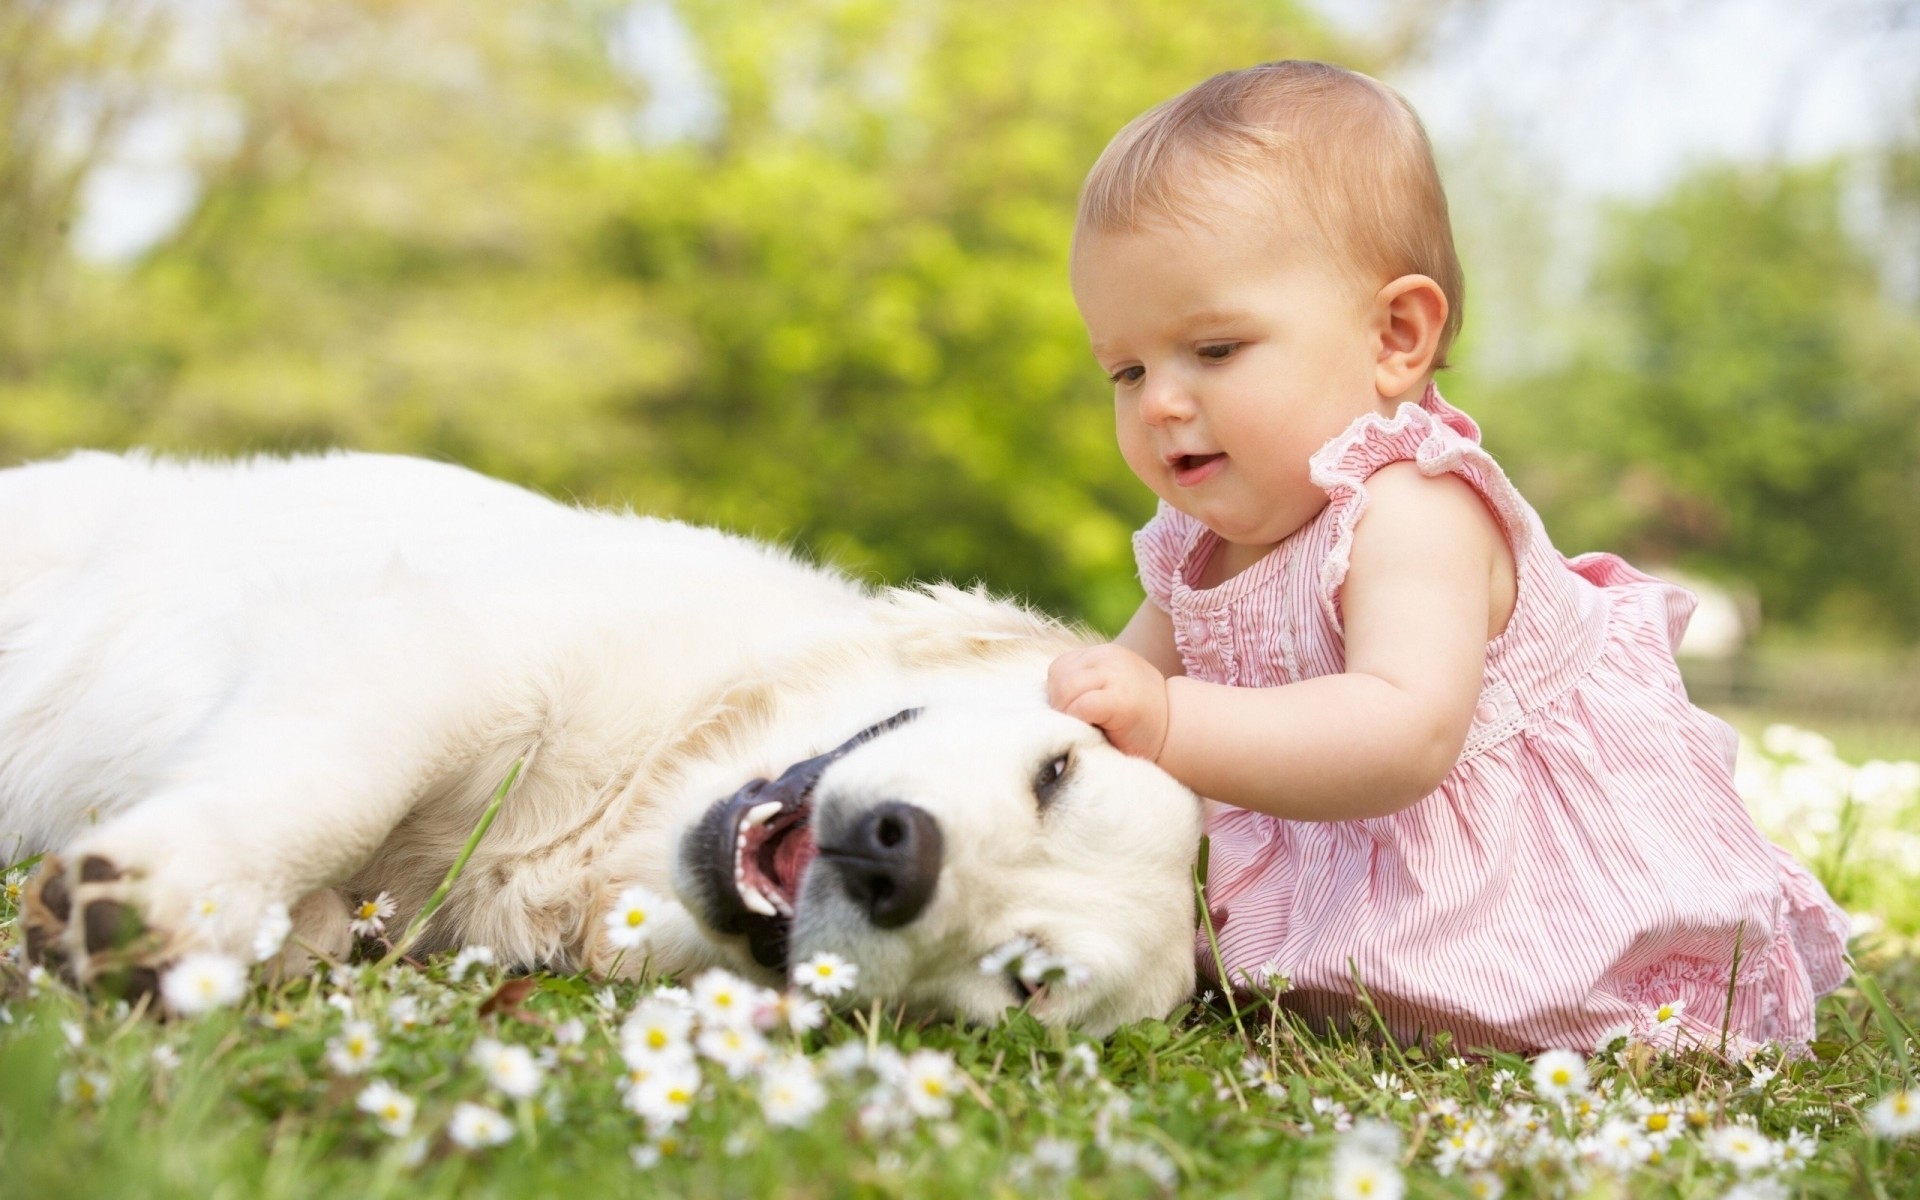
[(1419, 604)]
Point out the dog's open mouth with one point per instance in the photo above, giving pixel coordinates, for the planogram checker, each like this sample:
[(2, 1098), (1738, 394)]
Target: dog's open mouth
[(772, 845), (747, 859)]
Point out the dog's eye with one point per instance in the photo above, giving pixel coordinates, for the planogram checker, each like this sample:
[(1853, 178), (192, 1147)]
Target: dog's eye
[(1049, 778)]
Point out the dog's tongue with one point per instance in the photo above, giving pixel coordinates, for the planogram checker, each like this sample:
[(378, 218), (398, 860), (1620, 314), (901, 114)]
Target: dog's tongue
[(790, 859)]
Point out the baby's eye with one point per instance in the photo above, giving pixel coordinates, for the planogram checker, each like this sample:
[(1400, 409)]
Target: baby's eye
[(1132, 374), (1218, 351)]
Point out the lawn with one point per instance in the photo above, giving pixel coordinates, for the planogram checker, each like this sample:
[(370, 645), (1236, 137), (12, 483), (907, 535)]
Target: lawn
[(450, 1080)]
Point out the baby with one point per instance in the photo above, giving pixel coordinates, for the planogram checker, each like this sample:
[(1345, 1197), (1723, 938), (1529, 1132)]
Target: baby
[(1454, 768)]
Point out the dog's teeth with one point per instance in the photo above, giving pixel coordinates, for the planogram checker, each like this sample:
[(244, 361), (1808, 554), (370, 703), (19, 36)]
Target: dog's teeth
[(780, 902), (759, 813), (755, 902)]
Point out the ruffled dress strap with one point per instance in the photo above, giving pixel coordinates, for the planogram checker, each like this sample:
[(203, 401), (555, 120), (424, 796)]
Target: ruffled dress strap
[(1441, 440), (1161, 547)]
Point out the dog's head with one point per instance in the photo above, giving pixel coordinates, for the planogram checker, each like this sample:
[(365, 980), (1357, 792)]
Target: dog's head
[(969, 856)]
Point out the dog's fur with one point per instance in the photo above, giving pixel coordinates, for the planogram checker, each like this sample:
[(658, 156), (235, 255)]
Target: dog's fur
[(226, 686)]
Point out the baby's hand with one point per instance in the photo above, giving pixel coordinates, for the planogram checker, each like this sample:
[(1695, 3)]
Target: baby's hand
[(1112, 687)]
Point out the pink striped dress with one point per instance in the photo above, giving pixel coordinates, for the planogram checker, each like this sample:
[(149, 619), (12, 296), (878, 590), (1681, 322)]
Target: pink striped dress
[(1586, 860)]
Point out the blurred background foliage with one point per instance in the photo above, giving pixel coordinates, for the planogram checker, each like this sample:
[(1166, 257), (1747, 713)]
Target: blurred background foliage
[(816, 289)]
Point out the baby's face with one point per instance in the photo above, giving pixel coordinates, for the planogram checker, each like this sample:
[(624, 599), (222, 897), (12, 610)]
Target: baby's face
[(1235, 355)]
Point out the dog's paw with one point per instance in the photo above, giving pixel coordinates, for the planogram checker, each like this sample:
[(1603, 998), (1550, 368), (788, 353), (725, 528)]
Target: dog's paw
[(84, 919), (46, 906)]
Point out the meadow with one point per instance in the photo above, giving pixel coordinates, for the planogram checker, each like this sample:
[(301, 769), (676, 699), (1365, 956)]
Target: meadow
[(447, 1078)]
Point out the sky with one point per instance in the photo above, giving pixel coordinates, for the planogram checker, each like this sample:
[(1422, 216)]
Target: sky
[(1622, 95), (1613, 97)]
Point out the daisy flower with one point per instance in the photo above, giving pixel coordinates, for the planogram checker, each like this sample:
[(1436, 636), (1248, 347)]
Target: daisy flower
[(205, 909), (571, 1032), (1741, 1147), (85, 1087), (509, 1069), (1666, 1016), (469, 958), (723, 998), (202, 982), (390, 1106), (627, 921), (165, 1058), (475, 1126), (370, 916), (14, 885), (1559, 1075), (1485, 1185), (928, 1081), (404, 1012), (1896, 1115), (826, 975), (737, 1050), (790, 1092), (354, 1050), (1619, 1145), (275, 925), (655, 1029), (1364, 1177), (666, 1095)]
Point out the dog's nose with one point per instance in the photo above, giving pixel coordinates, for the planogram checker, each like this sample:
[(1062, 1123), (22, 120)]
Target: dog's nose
[(888, 862)]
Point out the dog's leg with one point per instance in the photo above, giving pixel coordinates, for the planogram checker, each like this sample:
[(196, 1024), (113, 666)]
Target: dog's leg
[(289, 790)]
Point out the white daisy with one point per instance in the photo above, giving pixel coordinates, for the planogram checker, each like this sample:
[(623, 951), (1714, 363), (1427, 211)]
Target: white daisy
[(790, 1091), (1741, 1147), (928, 1081), (469, 958), (723, 998), (370, 916), (627, 920), (1363, 1177), (404, 1012), (475, 1126), (799, 1014), (165, 1058), (85, 1087), (655, 1029), (1618, 1145), (204, 910), (1559, 1074), (509, 1069), (666, 1095), (202, 982), (826, 975), (1896, 1115), (1485, 1185), (1666, 1016), (737, 1050), (275, 925), (354, 1050), (390, 1106), (1796, 1150), (571, 1032)]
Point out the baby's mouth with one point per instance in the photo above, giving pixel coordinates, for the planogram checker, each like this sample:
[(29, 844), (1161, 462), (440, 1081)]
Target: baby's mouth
[(1189, 469)]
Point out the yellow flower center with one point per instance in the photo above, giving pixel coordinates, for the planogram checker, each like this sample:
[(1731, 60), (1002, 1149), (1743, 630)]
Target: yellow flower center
[(1364, 1185), (1656, 1122), (1562, 1077), (933, 1087), (367, 909), (1902, 1103), (282, 1020), (679, 1096), (657, 1038), (635, 918), (1663, 1013)]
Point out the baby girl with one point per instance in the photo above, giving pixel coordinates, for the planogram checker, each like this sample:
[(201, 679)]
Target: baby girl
[(1452, 767)]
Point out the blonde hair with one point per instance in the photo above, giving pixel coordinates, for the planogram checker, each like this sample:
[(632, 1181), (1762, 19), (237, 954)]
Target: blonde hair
[(1347, 149)]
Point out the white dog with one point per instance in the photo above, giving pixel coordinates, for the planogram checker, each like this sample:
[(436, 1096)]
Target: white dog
[(229, 686)]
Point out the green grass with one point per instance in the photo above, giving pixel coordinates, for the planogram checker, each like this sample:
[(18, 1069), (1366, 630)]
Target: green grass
[(247, 1104), (252, 1108)]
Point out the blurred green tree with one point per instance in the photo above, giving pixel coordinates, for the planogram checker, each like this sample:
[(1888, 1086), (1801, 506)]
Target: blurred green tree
[(1746, 404), (838, 316)]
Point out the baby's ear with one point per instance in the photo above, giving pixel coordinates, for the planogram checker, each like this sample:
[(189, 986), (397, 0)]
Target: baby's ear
[(1409, 315)]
